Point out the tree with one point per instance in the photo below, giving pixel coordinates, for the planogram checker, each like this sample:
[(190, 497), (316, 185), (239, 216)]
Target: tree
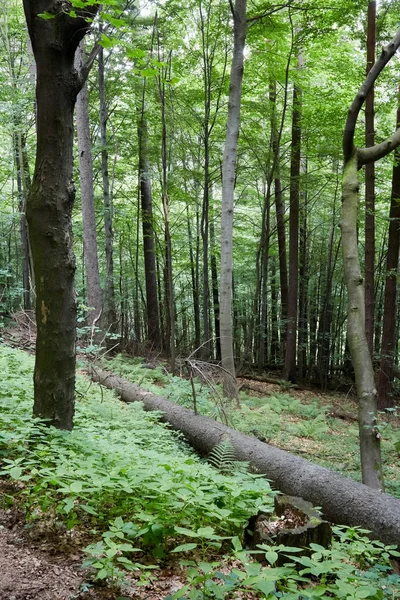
[(94, 295), (370, 186), (386, 366), (354, 159), (55, 36), (153, 321), (228, 187)]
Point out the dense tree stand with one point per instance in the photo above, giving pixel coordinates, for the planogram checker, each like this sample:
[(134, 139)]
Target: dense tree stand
[(342, 500)]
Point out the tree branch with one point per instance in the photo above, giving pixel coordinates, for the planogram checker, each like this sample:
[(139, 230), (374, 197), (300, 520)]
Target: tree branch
[(354, 110), (374, 153), (270, 11), (86, 67)]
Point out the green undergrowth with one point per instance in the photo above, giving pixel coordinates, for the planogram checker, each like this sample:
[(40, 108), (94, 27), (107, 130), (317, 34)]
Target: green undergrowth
[(306, 427), (139, 497)]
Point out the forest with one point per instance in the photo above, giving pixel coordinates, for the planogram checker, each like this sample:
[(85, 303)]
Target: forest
[(199, 316)]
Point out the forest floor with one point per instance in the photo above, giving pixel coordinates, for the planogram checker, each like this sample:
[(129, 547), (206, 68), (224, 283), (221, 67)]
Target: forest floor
[(43, 563)]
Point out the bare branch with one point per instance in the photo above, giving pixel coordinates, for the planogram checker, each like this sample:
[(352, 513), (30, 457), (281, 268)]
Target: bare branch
[(270, 11)]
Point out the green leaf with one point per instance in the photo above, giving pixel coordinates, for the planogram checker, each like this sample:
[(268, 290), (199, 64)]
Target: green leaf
[(266, 587), (184, 548), (69, 504), (89, 509), (206, 532), (187, 532), (15, 472), (102, 574), (107, 42), (46, 15), (76, 486), (271, 557)]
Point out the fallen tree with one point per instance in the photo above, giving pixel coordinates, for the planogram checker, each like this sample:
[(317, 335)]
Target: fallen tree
[(343, 500)]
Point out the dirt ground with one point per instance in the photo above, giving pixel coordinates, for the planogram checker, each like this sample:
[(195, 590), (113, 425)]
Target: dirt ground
[(35, 570)]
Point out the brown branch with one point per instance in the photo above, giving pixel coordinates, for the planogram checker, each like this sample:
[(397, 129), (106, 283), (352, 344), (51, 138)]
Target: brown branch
[(267, 13), (354, 110)]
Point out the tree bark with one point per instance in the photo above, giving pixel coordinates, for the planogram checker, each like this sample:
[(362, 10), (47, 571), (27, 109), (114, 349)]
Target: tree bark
[(228, 186), (110, 312), (385, 381), (370, 188), (371, 464), (290, 370), (49, 206), (354, 159), (343, 500), (23, 186), (87, 198), (153, 320)]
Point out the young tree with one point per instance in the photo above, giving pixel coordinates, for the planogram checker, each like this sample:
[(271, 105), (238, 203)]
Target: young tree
[(55, 39), (94, 296), (354, 159)]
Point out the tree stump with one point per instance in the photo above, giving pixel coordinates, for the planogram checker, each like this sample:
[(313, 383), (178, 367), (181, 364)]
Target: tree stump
[(298, 525)]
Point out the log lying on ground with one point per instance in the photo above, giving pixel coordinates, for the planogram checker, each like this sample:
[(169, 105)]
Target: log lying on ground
[(343, 501)]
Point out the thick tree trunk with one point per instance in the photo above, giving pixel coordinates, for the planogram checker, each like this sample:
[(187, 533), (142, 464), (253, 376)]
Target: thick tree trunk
[(87, 198), (228, 187), (49, 208), (153, 320), (343, 500)]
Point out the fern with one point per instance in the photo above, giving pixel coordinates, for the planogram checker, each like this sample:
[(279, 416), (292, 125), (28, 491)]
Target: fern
[(223, 456)]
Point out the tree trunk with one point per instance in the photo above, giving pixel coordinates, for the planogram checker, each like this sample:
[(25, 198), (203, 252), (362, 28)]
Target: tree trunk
[(215, 293), (290, 370), (389, 338), (23, 186), (343, 500), (361, 358), (49, 207), (370, 188), (228, 186), (194, 278), (87, 198), (110, 313), (354, 159), (153, 320)]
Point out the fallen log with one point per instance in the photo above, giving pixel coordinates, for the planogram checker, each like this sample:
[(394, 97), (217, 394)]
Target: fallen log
[(343, 500)]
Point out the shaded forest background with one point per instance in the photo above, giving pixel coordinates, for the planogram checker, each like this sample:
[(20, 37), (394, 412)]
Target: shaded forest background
[(150, 136)]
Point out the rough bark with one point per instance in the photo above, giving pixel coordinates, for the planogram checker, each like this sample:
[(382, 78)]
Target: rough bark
[(94, 295), (342, 500), (228, 186), (49, 207), (153, 320)]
